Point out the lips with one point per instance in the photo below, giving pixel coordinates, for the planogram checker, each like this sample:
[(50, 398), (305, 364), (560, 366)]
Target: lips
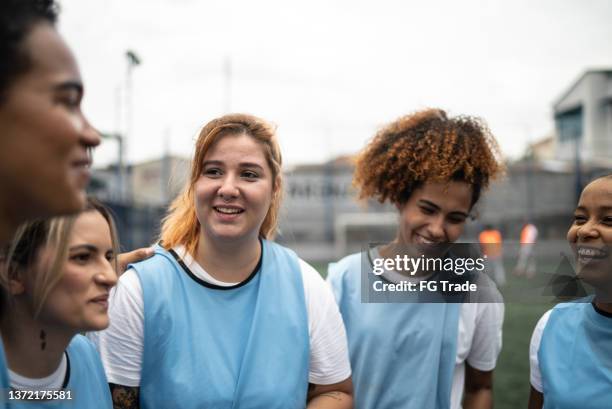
[(82, 169), (83, 162), (227, 212), (422, 240), (101, 299), (230, 210), (588, 254)]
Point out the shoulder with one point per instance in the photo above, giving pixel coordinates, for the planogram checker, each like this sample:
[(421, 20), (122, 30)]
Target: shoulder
[(535, 375), (487, 291), (310, 274), (277, 249), (82, 350), (569, 307), (345, 265), (536, 336), (565, 312), (543, 321), (158, 270), (315, 288), (276, 253), (161, 256), (482, 313), (80, 343)]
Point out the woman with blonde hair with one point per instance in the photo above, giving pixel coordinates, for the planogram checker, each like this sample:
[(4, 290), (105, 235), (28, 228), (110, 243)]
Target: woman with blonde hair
[(221, 316), (413, 355), (58, 274)]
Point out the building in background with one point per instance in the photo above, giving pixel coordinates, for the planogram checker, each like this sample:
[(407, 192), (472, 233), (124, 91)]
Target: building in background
[(154, 182), (542, 150), (583, 119), (321, 217)]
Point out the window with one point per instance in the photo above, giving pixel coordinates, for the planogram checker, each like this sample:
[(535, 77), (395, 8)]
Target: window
[(569, 124)]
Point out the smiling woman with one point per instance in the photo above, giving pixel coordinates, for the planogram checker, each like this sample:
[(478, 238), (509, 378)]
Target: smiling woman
[(44, 163), (421, 355), (58, 274), (220, 304), (570, 352)]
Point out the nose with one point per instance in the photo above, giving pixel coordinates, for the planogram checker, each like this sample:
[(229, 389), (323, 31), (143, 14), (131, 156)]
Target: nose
[(90, 138), (436, 228), (107, 275), (228, 189), (587, 231)]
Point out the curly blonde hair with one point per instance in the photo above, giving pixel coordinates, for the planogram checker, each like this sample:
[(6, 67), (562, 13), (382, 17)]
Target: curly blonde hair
[(427, 146)]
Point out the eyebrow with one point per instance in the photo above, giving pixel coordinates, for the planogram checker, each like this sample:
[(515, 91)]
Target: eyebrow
[(602, 208), (89, 247), (435, 206), (242, 164)]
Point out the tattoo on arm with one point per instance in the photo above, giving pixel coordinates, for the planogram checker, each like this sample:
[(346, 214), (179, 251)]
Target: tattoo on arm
[(334, 395), (125, 397)]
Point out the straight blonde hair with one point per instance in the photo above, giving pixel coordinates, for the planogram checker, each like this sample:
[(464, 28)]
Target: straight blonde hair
[(54, 233)]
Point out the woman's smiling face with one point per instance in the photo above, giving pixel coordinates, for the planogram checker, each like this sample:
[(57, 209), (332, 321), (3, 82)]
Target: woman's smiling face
[(590, 234), (44, 163), (234, 192), (434, 214), (79, 301)]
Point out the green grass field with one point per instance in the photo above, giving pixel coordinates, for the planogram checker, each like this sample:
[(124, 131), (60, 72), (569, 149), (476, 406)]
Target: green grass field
[(511, 377)]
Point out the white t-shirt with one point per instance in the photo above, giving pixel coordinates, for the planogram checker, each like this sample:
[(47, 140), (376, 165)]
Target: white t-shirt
[(479, 342), (535, 376), (51, 382), (121, 344)]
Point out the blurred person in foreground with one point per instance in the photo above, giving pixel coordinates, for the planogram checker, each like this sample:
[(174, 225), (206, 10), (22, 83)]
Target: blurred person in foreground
[(414, 355), (44, 136), (571, 347)]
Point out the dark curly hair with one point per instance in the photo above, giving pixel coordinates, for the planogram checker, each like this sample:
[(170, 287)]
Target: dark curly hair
[(17, 17), (427, 146)]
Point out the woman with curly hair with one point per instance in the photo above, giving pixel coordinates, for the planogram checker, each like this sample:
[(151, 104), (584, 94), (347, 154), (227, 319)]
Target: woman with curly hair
[(421, 355), (222, 317)]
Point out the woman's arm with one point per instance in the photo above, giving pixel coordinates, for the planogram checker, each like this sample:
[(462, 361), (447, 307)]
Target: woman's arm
[(335, 396), (478, 388), (536, 399), (124, 397)]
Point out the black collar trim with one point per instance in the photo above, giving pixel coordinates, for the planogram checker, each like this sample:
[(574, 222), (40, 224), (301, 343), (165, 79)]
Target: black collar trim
[(67, 377), (602, 312), (215, 286)]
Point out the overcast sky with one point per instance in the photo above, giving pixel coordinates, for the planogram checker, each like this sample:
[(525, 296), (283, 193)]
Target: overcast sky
[(329, 73)]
